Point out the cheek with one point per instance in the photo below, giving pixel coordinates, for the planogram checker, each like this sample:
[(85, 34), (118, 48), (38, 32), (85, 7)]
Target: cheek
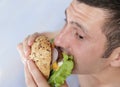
[(87, 51), (86, 58)]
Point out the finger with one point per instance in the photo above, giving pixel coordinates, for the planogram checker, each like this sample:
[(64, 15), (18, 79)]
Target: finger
[(20, 51), (28, 78), (32, 38), (38, 77), (26, 47)]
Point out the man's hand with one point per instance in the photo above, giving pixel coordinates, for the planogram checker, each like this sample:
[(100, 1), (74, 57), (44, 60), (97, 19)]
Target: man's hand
[(24, 47), (33, 76)]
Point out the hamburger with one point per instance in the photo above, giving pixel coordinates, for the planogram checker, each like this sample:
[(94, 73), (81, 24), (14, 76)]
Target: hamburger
[(54, 64)]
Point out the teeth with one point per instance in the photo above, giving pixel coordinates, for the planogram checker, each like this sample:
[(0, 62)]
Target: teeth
[(55, 55)]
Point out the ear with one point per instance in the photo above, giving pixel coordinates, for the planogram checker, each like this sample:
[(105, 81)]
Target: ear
[(115, 58)]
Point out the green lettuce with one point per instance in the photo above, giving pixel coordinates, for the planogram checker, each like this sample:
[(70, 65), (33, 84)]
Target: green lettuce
[(58, 77)]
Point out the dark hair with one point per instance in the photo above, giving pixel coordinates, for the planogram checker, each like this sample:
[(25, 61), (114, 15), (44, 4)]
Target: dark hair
[(111, 28)]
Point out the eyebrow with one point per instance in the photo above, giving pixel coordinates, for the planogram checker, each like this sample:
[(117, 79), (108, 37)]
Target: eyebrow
[(77, 24), (80, 26)]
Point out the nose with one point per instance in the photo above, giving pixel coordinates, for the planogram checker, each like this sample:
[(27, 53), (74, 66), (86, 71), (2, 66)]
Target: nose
[(64, 40)]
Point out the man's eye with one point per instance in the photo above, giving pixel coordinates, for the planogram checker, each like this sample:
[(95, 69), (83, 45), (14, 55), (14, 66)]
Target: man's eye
[(81, 37)]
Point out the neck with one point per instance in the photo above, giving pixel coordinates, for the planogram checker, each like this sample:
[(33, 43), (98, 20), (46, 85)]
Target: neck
[(107, 78)]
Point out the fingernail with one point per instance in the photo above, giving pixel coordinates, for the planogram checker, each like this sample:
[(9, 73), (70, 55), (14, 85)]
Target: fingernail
[(29, 43)]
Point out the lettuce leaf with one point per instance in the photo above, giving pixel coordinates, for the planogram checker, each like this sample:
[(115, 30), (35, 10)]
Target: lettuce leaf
[(58, 77)]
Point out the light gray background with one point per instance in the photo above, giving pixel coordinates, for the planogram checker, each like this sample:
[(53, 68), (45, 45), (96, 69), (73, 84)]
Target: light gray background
[(19, 18)]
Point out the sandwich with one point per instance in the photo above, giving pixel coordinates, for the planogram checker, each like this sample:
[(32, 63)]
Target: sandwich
[(54, 64)]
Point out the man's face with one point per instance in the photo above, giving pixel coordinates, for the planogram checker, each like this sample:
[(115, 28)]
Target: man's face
[(83, 38)]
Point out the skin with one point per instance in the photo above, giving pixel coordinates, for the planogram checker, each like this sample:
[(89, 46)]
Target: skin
[(83, 38), (86, 40)]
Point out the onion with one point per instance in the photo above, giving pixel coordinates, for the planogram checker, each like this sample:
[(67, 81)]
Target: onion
[(55, 55)]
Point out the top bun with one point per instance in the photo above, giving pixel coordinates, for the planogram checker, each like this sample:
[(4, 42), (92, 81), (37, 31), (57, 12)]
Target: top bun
[(41, 53)]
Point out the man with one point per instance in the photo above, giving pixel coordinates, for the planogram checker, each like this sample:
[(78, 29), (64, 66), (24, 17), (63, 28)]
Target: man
[(92, 35)]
